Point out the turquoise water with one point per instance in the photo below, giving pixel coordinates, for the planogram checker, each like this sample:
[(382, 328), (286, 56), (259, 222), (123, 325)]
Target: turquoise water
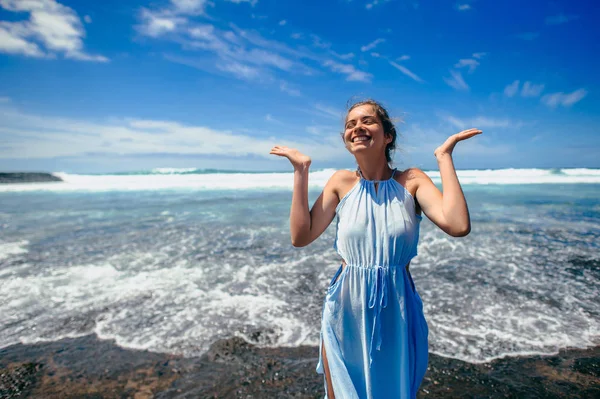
[(174, 269)]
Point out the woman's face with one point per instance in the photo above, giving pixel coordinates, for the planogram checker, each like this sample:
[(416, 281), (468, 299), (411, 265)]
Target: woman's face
[(364, 131)]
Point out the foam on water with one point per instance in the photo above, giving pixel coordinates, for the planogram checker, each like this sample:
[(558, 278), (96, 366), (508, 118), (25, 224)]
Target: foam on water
[(12, 248), (173, 271), (172, 178)]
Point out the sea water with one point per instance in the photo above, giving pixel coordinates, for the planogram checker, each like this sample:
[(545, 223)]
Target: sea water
[(171, 260)]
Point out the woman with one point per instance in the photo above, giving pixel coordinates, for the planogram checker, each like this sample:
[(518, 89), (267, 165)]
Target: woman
[(373, 333)]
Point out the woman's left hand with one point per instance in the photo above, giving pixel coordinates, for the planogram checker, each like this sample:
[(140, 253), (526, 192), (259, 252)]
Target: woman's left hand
[(448, 146)]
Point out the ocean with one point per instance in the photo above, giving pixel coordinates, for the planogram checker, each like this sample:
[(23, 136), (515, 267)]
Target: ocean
[(171, 260)]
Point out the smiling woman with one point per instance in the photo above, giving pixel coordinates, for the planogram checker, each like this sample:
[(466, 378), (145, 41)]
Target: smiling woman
[(373, 331)]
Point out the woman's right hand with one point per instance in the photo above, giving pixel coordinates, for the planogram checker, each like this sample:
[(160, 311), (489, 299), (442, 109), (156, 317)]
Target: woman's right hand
[(299, 160)]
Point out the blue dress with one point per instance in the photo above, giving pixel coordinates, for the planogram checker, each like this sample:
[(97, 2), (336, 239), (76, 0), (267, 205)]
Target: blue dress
[(373, 328)]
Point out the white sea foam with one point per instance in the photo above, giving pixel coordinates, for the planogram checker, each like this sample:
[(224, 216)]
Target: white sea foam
[(177, 179), (8, 249)]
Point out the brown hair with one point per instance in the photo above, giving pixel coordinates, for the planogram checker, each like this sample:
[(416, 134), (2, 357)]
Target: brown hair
[(386, 122)]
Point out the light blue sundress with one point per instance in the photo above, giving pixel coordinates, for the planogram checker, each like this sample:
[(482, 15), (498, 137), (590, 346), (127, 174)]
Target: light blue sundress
[(373, 328)]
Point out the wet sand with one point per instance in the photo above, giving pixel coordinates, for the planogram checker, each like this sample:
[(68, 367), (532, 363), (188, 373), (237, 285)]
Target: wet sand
[(87, 367)]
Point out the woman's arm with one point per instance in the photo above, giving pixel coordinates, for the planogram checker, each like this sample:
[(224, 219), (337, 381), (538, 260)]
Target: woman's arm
[(449, 210), (306, 226)]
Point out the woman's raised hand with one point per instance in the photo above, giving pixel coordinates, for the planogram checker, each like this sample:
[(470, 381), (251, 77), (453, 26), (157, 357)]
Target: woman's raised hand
[(299, 160), (448, 146)]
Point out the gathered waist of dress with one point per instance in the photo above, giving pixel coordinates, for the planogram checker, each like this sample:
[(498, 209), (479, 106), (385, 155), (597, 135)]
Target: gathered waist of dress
[(374, 266)]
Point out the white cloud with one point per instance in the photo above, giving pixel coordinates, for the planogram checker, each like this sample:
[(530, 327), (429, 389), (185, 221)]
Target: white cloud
[(13, 44), (456, 81), (479, 55), (375, 55), (241, 71), (5, 100), (463, 7), (467, 62), (403, 58), (528, 89), (372, 45), (51, 24), (31, 136), (87, 19), (406, 71), (155, 24), (352, 74), (296, 36), (565, 99), (188, 7), (531, 90), (511, 89), (346, 56), (318, 42), (282, 22), (560, 19)]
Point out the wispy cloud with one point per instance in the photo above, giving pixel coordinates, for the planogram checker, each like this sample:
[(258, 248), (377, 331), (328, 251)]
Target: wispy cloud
[(403, 58), (327, 111), (528, 89), (560, 19), (352, 74), (531, 90), (467, 62), (282, 22), (52, 29), (285, 87), (553, 100), (346, 56), (456, 81), (463, 7), (270, 118), (251, 2), (512, 89), (372, 45), (241, 71), (470, 63), (481, 122), (406, 71), (319, 43)]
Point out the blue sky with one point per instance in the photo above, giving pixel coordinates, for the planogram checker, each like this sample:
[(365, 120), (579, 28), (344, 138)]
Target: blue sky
[(90, 86)]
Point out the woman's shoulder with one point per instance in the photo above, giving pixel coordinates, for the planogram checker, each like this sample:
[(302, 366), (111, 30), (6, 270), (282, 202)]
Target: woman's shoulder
[(342, 181), (410, 179)]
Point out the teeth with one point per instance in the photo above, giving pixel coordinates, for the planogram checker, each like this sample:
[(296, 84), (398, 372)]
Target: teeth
[(360, 138)]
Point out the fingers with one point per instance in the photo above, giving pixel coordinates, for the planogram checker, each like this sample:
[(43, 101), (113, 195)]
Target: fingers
[(279, 150), (466, 134)]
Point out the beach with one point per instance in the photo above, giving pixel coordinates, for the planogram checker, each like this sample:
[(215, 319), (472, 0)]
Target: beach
[(184, 283), (232, 368)]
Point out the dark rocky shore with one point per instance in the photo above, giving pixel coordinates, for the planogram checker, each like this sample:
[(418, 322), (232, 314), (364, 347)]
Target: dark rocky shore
[(91, 368), (27, 177)]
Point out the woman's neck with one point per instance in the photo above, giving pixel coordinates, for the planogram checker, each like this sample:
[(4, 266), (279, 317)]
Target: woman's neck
[(375, 171)]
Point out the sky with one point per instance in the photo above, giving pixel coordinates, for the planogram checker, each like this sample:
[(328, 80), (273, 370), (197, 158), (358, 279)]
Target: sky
[(116, 86)]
